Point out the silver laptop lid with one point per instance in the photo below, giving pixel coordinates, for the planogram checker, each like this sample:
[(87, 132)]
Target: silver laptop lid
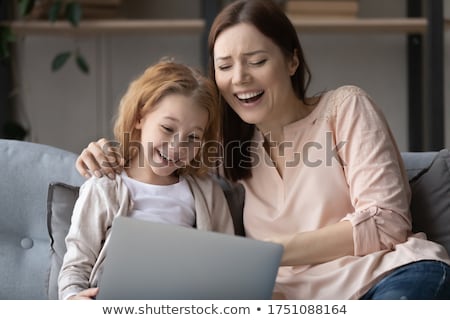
[(148, 260)]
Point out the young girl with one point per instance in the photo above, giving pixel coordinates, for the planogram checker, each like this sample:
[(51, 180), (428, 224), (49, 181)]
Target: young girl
[(164, 119)]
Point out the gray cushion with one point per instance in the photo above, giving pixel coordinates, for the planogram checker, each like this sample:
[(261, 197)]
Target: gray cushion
[(60, 202), (417, 163), (430, 203)]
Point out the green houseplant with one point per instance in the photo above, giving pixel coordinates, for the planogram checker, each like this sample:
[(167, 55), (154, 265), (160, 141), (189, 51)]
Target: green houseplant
[(55, 9), (25, 9)]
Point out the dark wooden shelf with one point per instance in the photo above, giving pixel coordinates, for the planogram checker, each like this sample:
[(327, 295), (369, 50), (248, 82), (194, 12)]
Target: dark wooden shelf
[(92, 27), (361, 25)]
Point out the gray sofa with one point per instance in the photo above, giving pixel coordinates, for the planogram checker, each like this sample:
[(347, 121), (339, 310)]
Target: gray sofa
[(38, 190)]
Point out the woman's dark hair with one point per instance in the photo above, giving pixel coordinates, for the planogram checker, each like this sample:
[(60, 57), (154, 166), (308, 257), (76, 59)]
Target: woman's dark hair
[(271, 21)]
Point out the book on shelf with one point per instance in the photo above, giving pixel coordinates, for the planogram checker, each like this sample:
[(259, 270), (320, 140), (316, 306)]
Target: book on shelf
[(100, 13), (100, 9), (100, 3), (91, 9), (322, 8)]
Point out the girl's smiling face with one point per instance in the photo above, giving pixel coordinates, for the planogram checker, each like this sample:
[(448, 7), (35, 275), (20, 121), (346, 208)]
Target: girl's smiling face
[(253, 75), (171, 133)]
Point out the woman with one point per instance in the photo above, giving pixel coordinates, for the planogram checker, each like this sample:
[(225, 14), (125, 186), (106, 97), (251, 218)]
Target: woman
[(322, 175)]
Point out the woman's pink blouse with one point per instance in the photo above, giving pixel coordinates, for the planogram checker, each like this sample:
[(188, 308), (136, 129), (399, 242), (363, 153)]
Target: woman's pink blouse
[(342, 164)]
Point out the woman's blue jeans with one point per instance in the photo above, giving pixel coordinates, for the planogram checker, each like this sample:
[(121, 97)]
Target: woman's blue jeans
[(421, 280)]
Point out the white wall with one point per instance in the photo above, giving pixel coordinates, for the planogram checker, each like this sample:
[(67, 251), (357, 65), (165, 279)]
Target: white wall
[(375, 62), (372, 62), (68, 109)]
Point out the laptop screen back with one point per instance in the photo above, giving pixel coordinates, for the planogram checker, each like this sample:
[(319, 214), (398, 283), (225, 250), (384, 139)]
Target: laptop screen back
[(148, 260)]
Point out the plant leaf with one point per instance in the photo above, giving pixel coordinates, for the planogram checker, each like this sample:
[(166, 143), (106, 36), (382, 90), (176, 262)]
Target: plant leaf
[(60, 59), (54, 10), (4, 51), (74, 13), (6, 37), (9, 36), (82, 64), (25, 7)]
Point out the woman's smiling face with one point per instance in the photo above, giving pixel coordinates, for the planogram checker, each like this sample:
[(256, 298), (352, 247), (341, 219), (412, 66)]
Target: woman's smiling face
[(252, 74)]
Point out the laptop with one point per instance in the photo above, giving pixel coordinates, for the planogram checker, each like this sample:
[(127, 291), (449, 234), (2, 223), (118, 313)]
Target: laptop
[(147, 260)]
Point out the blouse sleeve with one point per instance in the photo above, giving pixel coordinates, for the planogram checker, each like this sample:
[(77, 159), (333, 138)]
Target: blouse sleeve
[(375, 174)]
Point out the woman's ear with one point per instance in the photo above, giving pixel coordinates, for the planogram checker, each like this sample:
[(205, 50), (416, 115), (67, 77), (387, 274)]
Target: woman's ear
[(293, 63)]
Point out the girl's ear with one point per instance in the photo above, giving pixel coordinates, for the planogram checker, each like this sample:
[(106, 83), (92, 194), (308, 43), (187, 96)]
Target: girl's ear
[(138, 124), (140, 117), (293, 63)]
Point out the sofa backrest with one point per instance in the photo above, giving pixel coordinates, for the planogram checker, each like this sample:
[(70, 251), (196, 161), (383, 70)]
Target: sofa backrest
[(26, 169), (429, 178)]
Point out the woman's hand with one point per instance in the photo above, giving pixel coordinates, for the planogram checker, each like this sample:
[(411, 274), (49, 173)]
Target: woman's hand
[(100, 158), (88, 294)]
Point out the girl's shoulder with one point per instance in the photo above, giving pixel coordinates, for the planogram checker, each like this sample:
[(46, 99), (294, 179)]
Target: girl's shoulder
[(101, 184), (208, 183), (204, 179)]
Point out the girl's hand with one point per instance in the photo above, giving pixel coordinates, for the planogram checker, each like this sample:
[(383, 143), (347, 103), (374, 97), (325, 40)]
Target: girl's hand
[(100, 158), (88, 294)]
